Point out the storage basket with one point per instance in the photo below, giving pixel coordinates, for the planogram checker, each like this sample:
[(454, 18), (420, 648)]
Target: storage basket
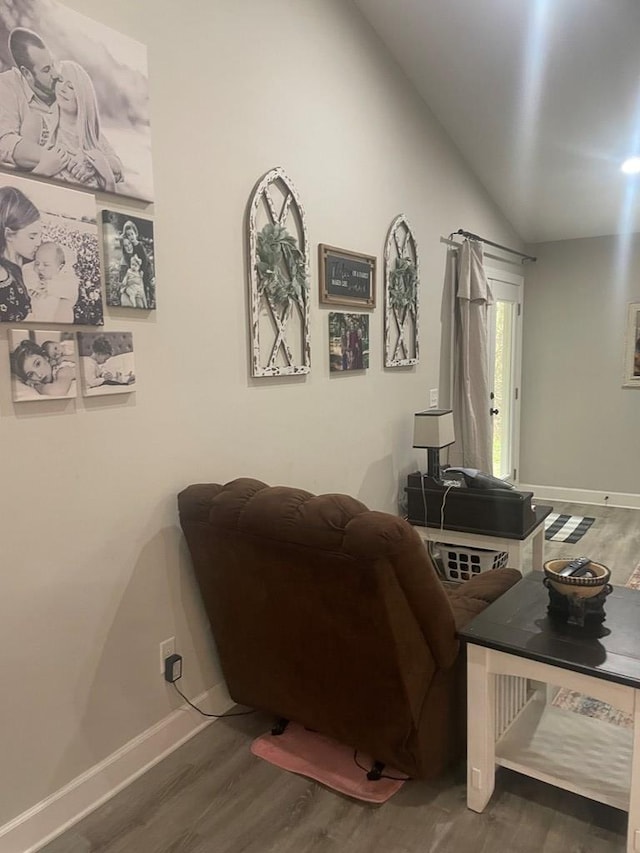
[(461, 564)]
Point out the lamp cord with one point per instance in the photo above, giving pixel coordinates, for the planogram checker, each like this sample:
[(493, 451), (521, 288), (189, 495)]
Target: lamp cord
[(444, 501)]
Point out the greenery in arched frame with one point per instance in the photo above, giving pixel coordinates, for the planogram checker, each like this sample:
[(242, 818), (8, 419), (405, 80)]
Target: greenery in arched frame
[(401, 296), (278, 279)]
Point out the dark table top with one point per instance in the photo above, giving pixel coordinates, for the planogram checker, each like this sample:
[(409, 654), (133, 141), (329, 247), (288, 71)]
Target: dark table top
[(517, 623), (539, 514)]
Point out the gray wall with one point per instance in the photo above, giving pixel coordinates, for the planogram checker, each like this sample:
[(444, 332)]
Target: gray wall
[(579, 426), (96, 574)]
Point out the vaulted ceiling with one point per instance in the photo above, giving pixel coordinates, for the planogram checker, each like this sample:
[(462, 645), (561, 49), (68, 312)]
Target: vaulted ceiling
[(541, 97)]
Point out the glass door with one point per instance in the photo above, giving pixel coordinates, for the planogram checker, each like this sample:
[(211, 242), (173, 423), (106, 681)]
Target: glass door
[(505, 350)]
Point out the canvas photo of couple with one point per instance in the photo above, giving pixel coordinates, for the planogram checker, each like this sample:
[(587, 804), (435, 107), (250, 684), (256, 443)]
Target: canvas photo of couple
[(73, 100)]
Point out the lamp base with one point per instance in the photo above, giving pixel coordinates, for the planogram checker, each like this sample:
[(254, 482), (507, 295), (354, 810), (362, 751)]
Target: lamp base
[(433, 462)]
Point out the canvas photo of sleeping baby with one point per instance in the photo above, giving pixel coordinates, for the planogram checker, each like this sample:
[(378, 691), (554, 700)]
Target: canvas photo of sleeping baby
[(129, 261), (43, 365), (106, 363)]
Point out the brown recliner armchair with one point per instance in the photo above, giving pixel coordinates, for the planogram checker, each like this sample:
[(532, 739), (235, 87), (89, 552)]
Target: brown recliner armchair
[(333, 616)]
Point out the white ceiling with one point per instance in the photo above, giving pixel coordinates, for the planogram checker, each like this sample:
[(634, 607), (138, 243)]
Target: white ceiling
[(542, 97)]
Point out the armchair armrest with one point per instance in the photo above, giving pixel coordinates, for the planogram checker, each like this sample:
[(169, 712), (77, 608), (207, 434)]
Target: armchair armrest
[(475, 595)]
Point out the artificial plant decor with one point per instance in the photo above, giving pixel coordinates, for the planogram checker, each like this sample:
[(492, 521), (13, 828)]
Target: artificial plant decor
[(403, 285), (401, 295), (281, 266), (278, 279)]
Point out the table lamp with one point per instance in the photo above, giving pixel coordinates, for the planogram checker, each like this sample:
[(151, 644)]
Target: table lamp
[(432, 430)]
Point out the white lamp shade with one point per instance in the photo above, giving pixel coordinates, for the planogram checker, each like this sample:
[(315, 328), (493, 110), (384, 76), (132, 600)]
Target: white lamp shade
[(433, 428)]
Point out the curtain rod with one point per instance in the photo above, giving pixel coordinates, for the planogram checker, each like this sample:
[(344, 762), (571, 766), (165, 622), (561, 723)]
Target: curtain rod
[(471, 236), (452, 243)]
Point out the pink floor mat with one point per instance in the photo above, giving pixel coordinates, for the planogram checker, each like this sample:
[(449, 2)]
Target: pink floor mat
[(327, 761)]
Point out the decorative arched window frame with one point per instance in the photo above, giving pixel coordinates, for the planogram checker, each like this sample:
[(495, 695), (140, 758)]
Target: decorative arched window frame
[(401, 297), (278, 279)]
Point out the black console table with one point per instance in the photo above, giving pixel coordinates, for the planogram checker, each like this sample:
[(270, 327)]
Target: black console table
[(513, 543)]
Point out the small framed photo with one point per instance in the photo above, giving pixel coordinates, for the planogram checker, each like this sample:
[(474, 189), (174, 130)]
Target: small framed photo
[(106, 363), (129, 260), (43, 365), (346, 278), (632, 348), (348, 341)]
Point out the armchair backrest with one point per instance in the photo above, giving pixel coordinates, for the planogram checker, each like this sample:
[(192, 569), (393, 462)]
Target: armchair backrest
[(322, 610)]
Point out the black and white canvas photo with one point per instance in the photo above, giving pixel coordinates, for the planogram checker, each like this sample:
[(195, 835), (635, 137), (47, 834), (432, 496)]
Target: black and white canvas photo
[(348, 341), (43, 365), (74, 99), (129, 260), (106, 363), (49, 258)]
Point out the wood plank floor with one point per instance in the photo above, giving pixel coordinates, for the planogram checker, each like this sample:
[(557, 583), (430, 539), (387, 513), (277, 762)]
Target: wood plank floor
[(213, 796), (613, 538)]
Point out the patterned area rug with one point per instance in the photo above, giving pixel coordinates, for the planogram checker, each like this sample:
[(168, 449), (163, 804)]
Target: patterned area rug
[(566, 528), (587, 705)]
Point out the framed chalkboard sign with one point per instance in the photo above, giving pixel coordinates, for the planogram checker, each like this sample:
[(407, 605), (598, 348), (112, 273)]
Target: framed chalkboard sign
[(347, 278)]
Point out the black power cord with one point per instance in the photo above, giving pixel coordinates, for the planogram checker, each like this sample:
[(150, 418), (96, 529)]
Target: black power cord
[(204, 714), (380, 775), (173, 672)]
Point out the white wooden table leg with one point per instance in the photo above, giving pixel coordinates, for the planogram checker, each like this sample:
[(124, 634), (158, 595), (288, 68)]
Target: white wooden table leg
[(481, 767), (514, 553), (537, 550), (633, 834)]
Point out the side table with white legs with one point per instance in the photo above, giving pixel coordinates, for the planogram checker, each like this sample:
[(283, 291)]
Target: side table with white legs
[(513, 650), (513, 545)]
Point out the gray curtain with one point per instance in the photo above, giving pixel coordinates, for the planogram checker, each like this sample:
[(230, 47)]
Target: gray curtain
[(469, 296)]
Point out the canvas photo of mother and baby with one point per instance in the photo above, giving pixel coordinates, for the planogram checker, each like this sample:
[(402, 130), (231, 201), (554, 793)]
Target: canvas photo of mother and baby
[(49, 258), (74, 100)]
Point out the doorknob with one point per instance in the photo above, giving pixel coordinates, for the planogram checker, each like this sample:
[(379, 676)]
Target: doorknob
[(494, 411)]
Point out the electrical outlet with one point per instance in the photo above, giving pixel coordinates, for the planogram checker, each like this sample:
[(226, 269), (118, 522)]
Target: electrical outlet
[(167, 648), (433, 398)]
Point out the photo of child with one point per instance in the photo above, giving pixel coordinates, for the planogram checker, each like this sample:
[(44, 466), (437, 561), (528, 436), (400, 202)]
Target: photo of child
[(51, 284), (43, 365), (128, 260), (59, 351), (132, 293), (107, 363), (348, 341)]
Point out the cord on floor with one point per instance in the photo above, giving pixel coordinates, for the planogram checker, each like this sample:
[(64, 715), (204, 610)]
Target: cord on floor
[(382, 775), (204, 714)]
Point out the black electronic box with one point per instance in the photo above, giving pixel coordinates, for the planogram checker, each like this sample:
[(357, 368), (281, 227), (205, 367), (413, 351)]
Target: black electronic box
[(493, 512)]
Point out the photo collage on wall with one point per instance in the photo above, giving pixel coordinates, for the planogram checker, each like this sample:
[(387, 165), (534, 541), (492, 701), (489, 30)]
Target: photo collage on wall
[(74, 110)]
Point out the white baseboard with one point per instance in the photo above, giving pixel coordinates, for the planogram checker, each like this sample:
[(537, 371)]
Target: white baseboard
[(46, 820), (583, 496)]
